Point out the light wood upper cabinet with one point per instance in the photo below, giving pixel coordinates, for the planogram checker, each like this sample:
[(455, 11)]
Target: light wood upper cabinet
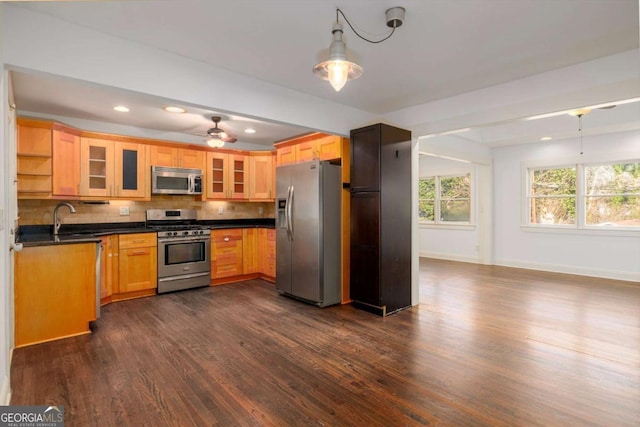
[(310, 147), (227, 176), (285, 155), (114, 169), (132, 171), (176, 157), (48, 160), (66, 164), (261, 183), (34, 160), (306, 151), (96, 167), (329, 147)]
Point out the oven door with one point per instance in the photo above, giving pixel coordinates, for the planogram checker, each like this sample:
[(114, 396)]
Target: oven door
[(177, 257)]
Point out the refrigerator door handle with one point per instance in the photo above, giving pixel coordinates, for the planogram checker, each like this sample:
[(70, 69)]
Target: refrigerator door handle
[(290, 213), (286, 213)]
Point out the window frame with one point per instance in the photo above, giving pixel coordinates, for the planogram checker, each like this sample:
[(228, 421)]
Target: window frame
[(437, 211), (580, 163), (528, 197)]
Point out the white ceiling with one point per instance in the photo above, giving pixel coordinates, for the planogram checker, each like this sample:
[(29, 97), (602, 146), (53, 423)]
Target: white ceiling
[(444, 48)]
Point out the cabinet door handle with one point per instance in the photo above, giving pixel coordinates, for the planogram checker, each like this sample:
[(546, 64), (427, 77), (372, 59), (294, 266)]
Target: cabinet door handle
[(226, 239)]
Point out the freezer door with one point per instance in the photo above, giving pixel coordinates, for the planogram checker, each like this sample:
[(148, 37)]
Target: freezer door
[(305, 232), (283, 241)]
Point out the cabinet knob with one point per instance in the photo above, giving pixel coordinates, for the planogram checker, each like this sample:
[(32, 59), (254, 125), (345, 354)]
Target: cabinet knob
[(226, 239)]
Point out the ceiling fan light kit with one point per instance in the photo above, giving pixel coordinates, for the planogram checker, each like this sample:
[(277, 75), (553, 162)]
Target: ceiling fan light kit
[(338, 69), (217, 136)]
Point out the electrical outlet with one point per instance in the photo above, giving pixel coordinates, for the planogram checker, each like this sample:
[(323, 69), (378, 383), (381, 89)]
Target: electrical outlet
[(124, 210), (220, 210), (260, 210)]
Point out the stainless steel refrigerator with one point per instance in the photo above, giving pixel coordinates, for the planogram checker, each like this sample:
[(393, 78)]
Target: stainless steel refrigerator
[(308, 251)]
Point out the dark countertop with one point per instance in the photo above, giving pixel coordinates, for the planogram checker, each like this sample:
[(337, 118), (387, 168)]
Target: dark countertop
[(40, 235)]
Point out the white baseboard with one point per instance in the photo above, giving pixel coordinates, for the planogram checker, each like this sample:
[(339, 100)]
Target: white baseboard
[(571, 269), (450, 257), (5, 393)]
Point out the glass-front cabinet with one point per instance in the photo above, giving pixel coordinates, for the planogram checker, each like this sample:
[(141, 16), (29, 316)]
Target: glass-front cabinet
[(227, 176), (113, 169)]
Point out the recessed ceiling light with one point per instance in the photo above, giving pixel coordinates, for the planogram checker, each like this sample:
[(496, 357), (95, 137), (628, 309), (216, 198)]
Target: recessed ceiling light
[(177, 110), (545, 138), (121, 109), (249, 130)]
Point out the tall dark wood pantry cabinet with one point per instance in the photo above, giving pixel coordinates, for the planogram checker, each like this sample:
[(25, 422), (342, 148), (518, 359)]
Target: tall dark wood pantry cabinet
[(381, 218)]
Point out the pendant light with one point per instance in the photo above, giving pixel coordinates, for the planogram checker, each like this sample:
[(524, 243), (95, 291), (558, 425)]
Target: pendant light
[(579, 113), (338, 69)]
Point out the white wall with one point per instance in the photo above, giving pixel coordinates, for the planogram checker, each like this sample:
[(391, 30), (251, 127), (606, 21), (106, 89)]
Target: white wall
[(40, 43), (596, 253), (457, 243), (5, 279)]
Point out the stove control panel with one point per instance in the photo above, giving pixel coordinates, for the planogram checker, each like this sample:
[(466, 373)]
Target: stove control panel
[(184, 233)]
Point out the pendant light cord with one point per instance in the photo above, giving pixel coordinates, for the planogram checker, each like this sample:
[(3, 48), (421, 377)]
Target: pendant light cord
[(356, 33), (580, 129)]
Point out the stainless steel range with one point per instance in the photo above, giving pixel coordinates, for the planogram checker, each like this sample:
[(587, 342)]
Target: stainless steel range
[(184, 259)]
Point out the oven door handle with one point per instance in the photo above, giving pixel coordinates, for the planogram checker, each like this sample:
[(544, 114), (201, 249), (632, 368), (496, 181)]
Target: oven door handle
[(183, 276), (174, 240)]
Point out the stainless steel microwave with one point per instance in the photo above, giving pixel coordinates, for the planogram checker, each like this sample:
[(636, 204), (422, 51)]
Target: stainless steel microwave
[(165, 180)]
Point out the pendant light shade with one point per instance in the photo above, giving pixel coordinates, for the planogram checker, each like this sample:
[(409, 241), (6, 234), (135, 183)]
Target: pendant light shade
[(337, 68)]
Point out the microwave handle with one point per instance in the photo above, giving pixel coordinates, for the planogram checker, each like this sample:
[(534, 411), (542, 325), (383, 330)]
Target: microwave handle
[(192, 184)]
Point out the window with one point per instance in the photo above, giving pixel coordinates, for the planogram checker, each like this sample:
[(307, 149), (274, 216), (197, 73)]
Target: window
[(552, 196), (445, 199), (612, 194), (585, 195), (427, 199)]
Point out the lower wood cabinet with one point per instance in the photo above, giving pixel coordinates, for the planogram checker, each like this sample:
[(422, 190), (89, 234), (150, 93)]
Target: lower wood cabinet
[(250, 261), (226, 253), (267, 252), (242, 254), (138, 265), (109, 268), (55, 292)]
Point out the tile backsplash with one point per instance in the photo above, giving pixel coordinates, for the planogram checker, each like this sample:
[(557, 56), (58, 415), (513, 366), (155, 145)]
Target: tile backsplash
[(40, 212)]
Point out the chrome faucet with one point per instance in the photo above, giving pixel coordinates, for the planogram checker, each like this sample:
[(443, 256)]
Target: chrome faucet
[(56, 221)]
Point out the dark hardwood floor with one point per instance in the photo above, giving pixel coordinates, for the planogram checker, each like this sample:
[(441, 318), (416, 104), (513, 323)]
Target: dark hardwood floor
[(487, 346)]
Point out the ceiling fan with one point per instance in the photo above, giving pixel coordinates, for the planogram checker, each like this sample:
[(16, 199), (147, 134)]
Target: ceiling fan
[(217, 136)]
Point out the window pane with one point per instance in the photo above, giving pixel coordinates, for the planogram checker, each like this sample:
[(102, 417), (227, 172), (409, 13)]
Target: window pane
[(622, 178), (455, 187), (455, 210), (553, 210), (426, 210), (427, 188), (553, 182), (613, 210)]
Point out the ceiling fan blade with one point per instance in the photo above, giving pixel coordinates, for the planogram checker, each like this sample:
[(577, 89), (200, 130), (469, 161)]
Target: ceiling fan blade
[(229, 139)]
